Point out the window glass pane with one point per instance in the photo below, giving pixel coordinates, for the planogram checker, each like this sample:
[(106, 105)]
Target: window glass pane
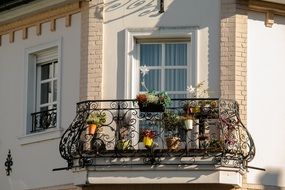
[(55, 90), (175, 79), (55, 69), (46, 71), (150, 54), (152, 80), (45, 93), (175, 54)]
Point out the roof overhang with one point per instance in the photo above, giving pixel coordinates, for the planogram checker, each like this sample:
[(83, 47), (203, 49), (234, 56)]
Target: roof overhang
[(276, 1), (31, 8)]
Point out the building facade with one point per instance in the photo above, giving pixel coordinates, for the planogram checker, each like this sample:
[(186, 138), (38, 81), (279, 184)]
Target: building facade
[(63, 61)]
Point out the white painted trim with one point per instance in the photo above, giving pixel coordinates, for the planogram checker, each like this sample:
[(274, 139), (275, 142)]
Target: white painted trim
[(29, 52), (48, 134), (26, 9), (163, 32), (174, 175)]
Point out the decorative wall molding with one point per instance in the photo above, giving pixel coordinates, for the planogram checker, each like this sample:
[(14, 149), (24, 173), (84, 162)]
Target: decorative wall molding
[(268, 8), (64, 11)]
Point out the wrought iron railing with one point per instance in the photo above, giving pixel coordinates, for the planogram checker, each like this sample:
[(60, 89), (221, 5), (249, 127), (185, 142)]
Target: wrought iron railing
[(43, 120), (120, 139)]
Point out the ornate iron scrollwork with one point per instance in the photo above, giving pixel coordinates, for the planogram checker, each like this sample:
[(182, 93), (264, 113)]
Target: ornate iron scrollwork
[(43, 120), (217, 133)]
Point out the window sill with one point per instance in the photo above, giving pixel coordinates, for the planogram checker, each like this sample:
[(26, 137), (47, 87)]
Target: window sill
[(48, 134)]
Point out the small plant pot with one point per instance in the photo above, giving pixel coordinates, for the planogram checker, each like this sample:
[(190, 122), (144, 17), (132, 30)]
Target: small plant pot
[(148, 142), (173, 143), (188, 124), (91, 129), (151, 108)]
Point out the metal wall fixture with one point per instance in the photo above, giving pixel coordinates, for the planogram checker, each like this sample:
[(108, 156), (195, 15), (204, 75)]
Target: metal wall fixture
[(161, 6), (9, 163)]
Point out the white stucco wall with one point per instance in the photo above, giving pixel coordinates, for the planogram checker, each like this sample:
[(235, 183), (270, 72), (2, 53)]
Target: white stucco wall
[(266, 93), (33, 162), (121, 15)]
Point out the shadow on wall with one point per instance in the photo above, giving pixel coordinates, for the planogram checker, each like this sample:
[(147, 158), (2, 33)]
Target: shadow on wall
[(209, 27), (271, 179), (191, 14), (140, 8)]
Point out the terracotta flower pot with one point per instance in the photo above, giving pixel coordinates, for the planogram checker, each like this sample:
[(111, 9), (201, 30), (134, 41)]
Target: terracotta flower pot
[(91, 129), (173, 143)]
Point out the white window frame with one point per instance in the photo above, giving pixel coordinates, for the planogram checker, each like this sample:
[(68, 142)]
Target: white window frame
[(39, 82), (132, 51), (30, 91)]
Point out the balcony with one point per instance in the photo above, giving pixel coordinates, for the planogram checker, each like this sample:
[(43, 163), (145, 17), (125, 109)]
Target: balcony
[(214, 144), (43, 120)]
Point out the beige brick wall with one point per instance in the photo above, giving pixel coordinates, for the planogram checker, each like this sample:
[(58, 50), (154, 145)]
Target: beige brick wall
[(91, 50), (233, 60), (234, 53)]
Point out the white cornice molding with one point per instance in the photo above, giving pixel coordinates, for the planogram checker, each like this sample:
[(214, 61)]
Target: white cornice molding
[(29, 9)]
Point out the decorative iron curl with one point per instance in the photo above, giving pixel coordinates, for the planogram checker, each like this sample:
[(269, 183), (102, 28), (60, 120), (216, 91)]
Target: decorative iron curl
[(239, 146), (217, 132)]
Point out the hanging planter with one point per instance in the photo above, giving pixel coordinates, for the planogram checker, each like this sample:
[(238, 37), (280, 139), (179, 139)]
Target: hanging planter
[(188, 124), (151, 108), (153, 101)]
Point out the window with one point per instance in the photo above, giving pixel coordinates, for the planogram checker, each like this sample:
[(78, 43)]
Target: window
[(170, 55), (168, 65), (47, 85), (43, 90), (169, 70)]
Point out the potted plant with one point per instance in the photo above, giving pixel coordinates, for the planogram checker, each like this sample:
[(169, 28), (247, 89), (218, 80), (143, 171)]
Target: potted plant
[(188, 121), (148, 136), (173, 142), (94, 120), (153, 101), (171, 122)]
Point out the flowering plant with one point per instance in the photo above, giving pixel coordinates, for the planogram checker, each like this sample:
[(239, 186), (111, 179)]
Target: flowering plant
[(153, 98), (201, 90), (148, 133)]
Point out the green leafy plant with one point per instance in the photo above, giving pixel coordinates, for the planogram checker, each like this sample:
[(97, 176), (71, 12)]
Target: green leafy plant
[(171, 120), (153, 98), (96, 118)]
